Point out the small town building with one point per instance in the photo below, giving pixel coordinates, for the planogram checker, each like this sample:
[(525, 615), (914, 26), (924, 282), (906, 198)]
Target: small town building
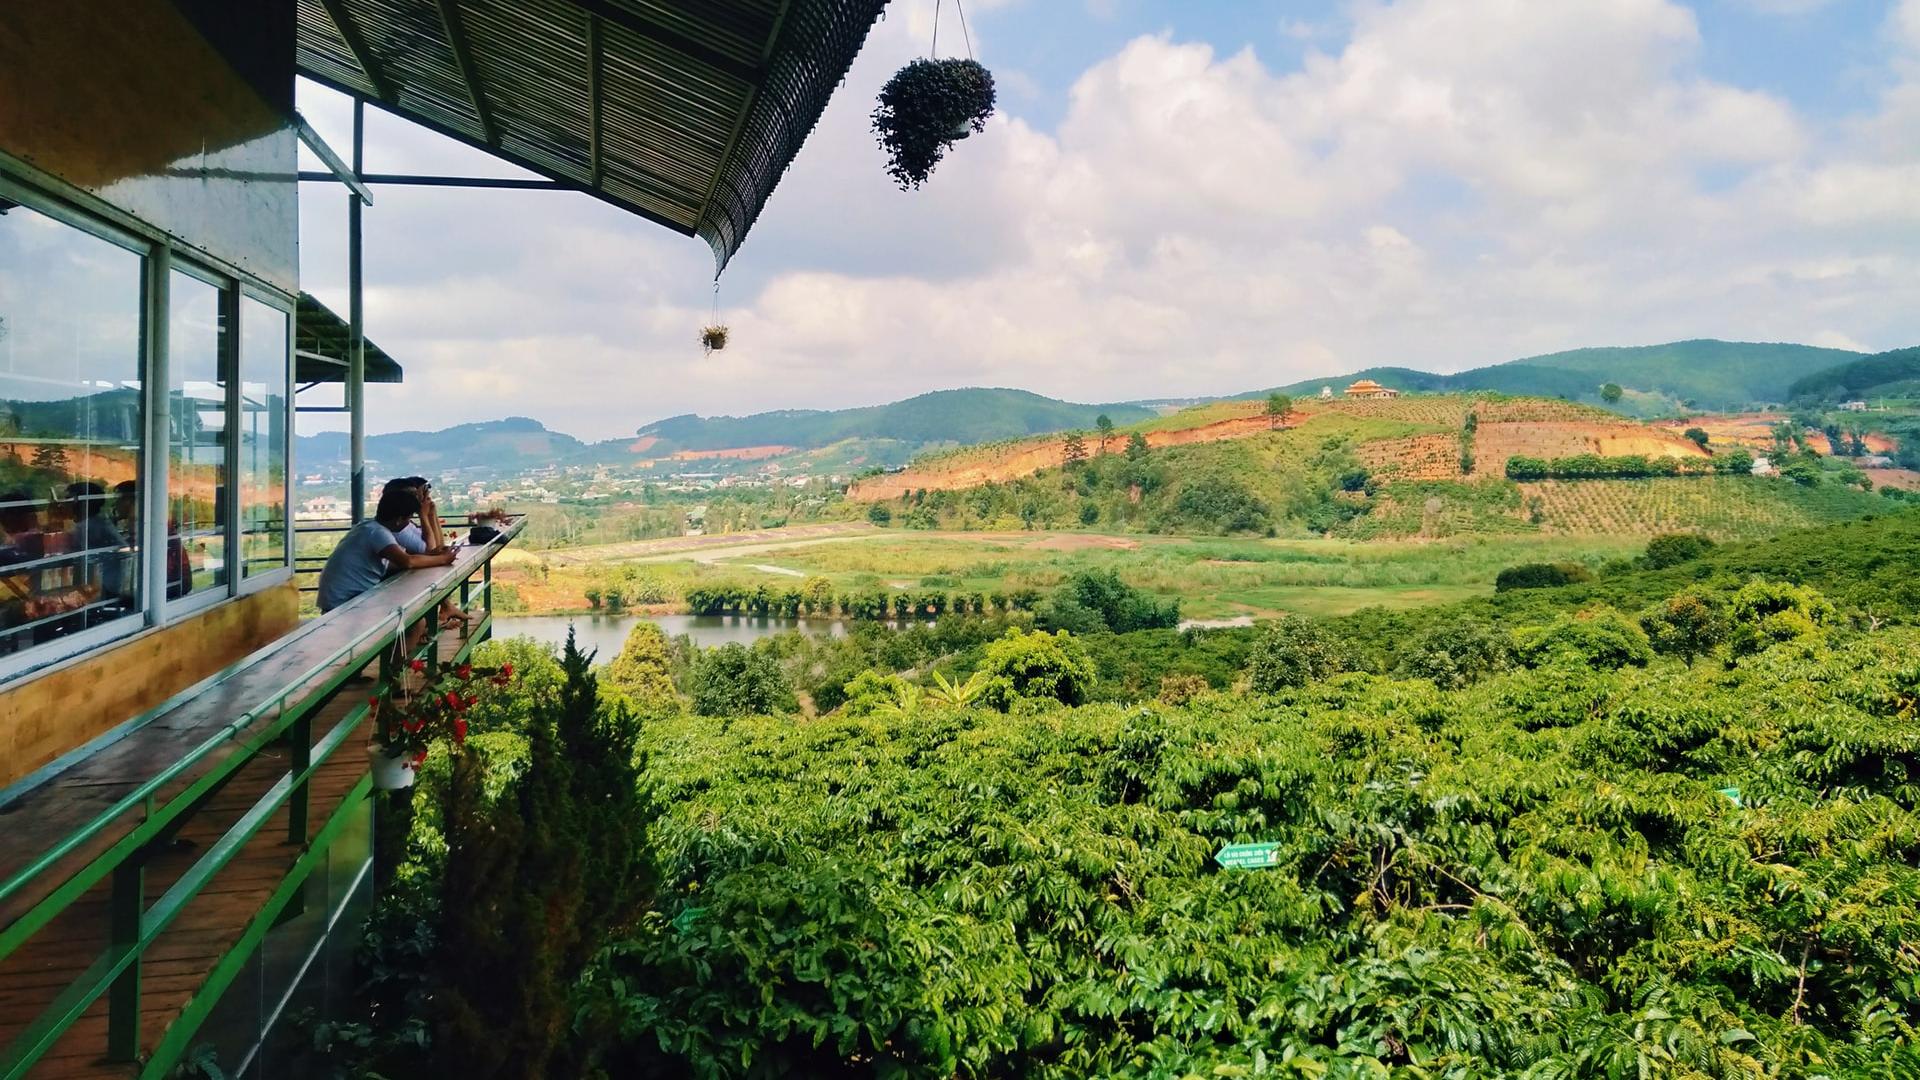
[(1854, 406), (1326, 393), (1367, 388)]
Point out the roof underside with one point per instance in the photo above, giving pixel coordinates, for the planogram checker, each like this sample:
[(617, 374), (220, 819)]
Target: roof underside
[(685, 112), (322, 346)]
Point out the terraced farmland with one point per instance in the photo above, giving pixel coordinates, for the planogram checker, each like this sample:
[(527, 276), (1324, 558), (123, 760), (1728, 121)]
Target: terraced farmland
[(1725, 507)]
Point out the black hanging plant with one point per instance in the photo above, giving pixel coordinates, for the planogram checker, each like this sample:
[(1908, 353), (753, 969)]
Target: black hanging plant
[(924, 109)]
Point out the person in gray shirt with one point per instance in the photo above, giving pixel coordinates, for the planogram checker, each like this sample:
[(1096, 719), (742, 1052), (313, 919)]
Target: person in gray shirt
[(369, 548)]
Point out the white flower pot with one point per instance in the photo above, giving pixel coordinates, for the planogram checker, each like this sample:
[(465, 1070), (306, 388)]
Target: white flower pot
[(391, 772)]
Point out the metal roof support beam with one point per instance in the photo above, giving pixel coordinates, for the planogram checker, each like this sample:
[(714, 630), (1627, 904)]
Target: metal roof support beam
[(469, 71), (357, 45), (331, 160), (594, 72), (639, 25), (410, 180)]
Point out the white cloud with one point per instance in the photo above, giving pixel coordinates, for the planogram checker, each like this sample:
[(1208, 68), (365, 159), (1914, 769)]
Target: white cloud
[(1459, 182)]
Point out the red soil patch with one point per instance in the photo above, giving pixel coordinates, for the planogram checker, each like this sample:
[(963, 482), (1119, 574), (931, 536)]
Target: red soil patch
[(1755, 432), (1046, 452), (643, 444), (737, 453)]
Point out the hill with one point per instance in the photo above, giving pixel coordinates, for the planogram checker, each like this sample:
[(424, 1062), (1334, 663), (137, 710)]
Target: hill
[(1708, 374), (1894, 372), (496, 445), (943, 416), (1411, 467)]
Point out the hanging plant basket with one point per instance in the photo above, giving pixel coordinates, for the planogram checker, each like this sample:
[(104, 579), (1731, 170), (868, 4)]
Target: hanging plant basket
[(924, 109), (713, 339), (392, 768)]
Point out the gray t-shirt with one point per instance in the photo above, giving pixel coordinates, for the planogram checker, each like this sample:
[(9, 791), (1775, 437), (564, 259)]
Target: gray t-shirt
[(412, 539), (355, 565)]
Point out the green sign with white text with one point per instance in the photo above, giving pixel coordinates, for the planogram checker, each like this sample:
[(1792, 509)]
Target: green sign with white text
[(1248, 856)]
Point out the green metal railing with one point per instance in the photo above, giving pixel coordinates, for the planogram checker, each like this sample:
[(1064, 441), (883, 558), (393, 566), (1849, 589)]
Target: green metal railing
[(287, 715)]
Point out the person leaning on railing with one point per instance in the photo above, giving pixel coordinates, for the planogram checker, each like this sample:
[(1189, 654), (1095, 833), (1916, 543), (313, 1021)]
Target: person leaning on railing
[(428, 537), (361, 559)]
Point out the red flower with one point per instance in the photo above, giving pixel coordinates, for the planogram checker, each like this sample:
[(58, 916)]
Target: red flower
[(472, 700), (418, 665), (453, 700), (507, 670), (419, 759), (459, 731), (466, 671), (374, 701), (414, 724)]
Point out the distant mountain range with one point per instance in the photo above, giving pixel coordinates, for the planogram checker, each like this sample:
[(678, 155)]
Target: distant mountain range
[(943, 416), (1703, 374), (502, 445), (1887, 373), (1655, 380)]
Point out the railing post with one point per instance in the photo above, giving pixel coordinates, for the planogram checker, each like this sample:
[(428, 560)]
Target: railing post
[(302, 734), (123, 999)]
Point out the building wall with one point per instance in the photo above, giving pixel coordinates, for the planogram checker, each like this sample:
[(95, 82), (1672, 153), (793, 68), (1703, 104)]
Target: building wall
[(56, 710), (179, 114)]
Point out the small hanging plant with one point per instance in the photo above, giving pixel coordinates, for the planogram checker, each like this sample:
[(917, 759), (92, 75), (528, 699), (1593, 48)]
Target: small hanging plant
[(924, 109), (713, 339)]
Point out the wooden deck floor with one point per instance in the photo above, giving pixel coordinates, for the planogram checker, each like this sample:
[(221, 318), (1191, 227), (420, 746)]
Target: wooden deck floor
[(180, 959)]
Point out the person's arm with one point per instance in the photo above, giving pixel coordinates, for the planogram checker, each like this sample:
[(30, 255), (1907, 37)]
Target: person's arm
[(399, 557), (430, 523)]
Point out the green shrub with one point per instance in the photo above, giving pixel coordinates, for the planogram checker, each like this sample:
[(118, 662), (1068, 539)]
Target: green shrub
[(733, 680), (1767, 613), (1686, 625), (1292, 652), (1600, 638), (1035, 666), (1540, 576), (1672, 549), (1458, 655)]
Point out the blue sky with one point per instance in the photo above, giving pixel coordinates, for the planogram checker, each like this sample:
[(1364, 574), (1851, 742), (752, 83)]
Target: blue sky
[(1199, 197)]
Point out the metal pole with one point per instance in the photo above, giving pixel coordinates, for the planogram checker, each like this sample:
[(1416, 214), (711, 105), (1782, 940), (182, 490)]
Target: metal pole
[(356, 331), (152, 534)]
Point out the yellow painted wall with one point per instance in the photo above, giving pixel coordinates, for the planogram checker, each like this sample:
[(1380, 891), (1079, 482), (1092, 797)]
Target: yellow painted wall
[(49, 713)]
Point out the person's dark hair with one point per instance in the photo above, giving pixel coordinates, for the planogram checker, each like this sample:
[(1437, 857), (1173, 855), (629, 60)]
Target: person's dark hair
[(397, 503), (126, 487), (87, 494), (417, 483), (17, 511)]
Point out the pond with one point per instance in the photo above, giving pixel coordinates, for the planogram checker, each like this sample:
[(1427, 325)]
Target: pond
[(608, 632)]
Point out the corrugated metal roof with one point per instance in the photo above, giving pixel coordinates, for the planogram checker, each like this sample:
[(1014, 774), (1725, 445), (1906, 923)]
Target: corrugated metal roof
[(686, 112), (321, 343)]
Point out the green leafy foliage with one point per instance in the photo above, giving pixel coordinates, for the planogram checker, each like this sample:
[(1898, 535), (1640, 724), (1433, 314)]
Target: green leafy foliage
[(1460, 891), (1599, 638), (1029, 667), (1672, 549), (1091, 601), (925, 107), (1541, 576), (1291, 653), (1768, 613), (734, 680)]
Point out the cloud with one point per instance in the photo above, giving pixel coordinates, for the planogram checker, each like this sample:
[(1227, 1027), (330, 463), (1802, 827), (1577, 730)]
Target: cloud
[(1457, 182)]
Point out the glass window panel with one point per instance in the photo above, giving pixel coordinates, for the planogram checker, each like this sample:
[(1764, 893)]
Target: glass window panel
[(263, 437), (197, 453), (70, 429)]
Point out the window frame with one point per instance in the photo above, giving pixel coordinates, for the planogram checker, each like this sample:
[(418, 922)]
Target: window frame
[(160, 255), (235, 387), (195, 602)]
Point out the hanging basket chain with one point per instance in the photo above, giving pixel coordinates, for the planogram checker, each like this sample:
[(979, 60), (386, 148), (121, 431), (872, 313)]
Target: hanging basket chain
[(713, 337)]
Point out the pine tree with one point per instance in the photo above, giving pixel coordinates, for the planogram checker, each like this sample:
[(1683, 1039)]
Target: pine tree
[(536, 881), (1076, 449)]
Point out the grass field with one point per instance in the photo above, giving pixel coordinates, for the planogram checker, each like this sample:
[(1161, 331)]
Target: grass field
[(1212, 578)]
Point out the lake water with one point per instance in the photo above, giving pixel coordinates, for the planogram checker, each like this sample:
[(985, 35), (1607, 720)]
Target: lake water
[(608, 632)]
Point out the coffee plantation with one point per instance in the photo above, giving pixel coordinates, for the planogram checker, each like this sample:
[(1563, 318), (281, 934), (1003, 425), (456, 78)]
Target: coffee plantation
[(1665, 823)]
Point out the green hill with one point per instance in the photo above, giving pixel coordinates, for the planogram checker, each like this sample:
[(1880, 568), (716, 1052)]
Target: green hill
[(494, 445), (1707, 374), (1882, 373), (943, 416)]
